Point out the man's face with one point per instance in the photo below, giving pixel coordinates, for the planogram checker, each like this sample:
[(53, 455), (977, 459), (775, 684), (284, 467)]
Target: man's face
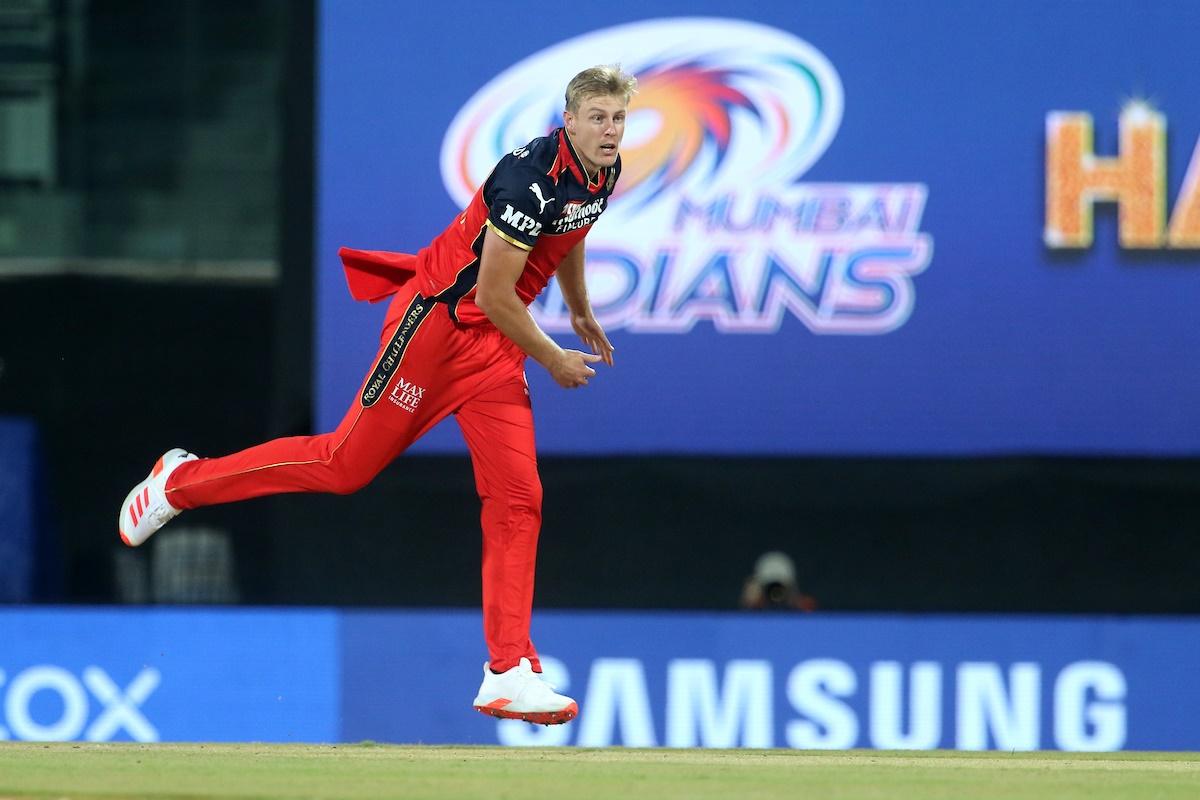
[(596, 130)]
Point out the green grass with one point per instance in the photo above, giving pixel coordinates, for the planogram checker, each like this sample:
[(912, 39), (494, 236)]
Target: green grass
[(70, 770)]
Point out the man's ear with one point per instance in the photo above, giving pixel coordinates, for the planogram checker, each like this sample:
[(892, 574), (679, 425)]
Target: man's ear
[(569, 122)]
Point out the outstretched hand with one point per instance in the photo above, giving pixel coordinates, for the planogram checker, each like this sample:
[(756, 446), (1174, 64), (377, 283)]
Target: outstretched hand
[(592, 334)]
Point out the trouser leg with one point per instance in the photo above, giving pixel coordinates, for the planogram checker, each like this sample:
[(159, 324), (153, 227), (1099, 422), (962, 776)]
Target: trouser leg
[(498, 428), (340, 462), (379, 425)]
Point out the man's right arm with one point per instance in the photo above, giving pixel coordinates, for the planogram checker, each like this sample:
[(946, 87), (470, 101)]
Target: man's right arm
[(500, 267)]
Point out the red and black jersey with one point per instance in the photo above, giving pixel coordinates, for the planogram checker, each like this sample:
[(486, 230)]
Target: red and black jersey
[(539, 198)]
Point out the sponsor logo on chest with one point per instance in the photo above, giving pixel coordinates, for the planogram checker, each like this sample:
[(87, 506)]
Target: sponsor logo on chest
[(578, 215)]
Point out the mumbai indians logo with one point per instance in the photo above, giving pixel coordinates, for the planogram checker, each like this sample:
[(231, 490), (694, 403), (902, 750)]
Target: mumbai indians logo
[(710, 221)]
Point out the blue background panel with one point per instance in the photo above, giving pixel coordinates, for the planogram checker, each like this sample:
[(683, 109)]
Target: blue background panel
[(206, 675), (20, 535), (1003, 683), (1007, 347), (641, 679)]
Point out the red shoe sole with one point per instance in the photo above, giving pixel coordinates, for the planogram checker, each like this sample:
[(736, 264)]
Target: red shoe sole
[(539, 717)]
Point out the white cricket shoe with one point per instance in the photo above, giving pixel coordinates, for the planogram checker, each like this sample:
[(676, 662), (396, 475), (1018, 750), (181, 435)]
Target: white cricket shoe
[(146, 509), (521, 693)]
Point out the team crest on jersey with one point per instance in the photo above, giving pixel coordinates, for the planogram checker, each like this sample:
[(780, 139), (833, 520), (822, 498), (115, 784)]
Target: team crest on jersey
[(711, 222)]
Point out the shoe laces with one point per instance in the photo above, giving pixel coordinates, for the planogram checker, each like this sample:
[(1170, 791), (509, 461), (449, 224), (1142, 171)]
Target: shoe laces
[(526, 670)]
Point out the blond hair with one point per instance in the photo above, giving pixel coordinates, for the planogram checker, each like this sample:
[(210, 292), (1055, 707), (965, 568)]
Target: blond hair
[(600, 81)]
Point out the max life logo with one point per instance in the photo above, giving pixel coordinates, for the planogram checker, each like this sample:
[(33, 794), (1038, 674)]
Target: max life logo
[(406, 394), (46, 703), (710, 223)]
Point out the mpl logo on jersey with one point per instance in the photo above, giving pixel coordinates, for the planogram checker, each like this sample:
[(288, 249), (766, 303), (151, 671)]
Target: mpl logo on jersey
[(709, 221)]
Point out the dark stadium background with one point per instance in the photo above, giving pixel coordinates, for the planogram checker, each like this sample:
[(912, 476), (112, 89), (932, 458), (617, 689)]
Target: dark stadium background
[(185, 139)]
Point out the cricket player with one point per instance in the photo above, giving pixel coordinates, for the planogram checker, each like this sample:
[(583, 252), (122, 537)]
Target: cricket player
[(455, 340)]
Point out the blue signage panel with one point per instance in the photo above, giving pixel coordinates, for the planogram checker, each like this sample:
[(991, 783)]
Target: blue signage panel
[(168, 675), (822, 681), (672, 680), (842, 227)]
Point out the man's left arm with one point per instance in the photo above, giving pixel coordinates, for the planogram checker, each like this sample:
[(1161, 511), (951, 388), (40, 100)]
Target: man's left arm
[(572, 281)]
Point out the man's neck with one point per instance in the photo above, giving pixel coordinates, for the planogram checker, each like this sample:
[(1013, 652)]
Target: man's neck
[(582, 161)]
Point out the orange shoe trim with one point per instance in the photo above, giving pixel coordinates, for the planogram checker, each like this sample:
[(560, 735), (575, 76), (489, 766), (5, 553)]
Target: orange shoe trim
[(538, 717)]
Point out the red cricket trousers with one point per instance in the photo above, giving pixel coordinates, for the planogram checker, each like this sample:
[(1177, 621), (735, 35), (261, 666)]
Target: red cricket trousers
[(427, 368)]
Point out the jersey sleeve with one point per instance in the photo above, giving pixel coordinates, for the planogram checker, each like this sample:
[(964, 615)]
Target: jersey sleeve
[(520, 201)]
